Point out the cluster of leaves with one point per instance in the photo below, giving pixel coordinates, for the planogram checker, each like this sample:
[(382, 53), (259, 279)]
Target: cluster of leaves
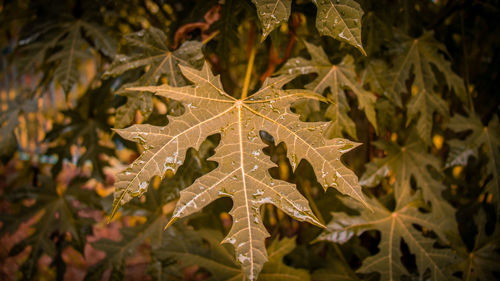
[(233, 118)]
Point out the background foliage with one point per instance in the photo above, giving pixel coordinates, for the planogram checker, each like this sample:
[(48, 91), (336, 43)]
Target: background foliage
[(413, 81)]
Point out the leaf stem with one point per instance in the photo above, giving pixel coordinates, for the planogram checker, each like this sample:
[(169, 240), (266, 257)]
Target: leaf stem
[(248, 74)]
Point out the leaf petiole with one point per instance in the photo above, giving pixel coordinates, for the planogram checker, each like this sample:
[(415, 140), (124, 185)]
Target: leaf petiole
[(248, 74)]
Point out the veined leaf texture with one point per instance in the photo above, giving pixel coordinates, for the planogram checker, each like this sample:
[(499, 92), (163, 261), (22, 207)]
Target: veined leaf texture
[(242, 166), (396, 226), (486, 137), (418, 56), (68, 38), (150, 51)]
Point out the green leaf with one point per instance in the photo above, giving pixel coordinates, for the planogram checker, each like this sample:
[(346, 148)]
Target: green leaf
[(99, 37), (275, 269), (272, 13), (340, 19), (242, 172), (87, 123), (151, 54), (22, 104), (142, 102), (395, 226), (480, 136), (64, 46), (336, 270), (411, 161), (34, 48), (337, 78), (376, 34), (219, 260), (374, 74), (58, 217), (417, 56), (67, 59), (425, 104), (117, 252), (480, 263), (152, 51)]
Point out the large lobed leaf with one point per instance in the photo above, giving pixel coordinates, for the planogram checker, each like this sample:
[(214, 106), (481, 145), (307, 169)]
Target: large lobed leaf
[(84, 127), (242, 166), (480, 136), (57, 208), (117, 252), (481, 262), (395, 226), (418, 56), (149, 51), (410, 161), (66, 45)]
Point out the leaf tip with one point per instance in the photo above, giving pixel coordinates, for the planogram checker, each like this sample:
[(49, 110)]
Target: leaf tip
[(319, 224), (184, 68), (356, 144), (362, 50), (362, 199), (170, 222), (141, 89), (112, 215), (315, 240), (367, 206)]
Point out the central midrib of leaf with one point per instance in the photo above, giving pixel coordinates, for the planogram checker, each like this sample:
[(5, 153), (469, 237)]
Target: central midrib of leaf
[(402, 67), (242, 162)]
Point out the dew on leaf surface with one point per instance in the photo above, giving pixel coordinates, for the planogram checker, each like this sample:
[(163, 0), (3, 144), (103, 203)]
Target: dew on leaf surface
[(139, 138), (243, 258), (223, 193), (259, 192), (255, 167)]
